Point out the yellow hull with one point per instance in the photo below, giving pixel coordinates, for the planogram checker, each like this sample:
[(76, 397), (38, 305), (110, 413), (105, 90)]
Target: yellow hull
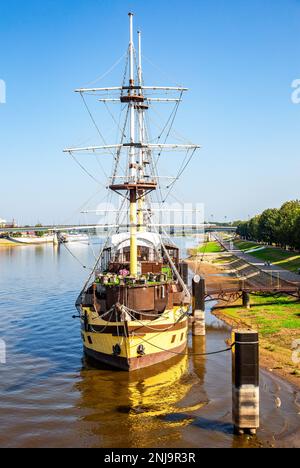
[(135, 344)]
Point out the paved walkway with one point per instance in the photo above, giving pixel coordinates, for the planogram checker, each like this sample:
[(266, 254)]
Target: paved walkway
[(272, 269)]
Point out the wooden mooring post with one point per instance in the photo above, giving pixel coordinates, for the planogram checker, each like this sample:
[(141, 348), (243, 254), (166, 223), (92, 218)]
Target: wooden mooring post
[(245, 377), (246, 300), (198, 318)]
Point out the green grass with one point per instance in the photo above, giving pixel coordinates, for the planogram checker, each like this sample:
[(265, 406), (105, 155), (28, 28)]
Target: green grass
[(244, 245), (271, 315), (210, 247), (278, 321), (284, 259)]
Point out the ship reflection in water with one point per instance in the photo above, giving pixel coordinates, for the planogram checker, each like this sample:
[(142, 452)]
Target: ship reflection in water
[(49, 397), (150, 407)]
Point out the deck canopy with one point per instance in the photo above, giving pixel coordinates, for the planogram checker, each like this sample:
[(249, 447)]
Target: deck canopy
[(144, 239)]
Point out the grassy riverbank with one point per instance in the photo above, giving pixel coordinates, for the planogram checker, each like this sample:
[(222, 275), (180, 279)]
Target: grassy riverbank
[(209, 247), (278, 321), (284, 259)]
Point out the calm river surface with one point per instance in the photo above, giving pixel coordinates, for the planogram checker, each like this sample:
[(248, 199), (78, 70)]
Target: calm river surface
[(50, 397)]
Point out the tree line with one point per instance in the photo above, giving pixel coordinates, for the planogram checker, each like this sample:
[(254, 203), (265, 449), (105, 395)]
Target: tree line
[(280, 227)]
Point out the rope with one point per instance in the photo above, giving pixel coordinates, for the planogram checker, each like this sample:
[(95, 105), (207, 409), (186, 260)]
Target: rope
[(86, 171), (114, 120), (108, 71), (175, 111), (179, 175), (97, 128), (77, 259), (151, 328), (104, 328), (189, 354), (84, 205)]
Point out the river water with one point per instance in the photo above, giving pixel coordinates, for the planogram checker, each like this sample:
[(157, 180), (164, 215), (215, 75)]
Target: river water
[(51, 397)]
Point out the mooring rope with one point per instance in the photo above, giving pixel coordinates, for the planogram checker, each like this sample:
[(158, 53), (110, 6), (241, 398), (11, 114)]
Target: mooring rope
[(190, 354)]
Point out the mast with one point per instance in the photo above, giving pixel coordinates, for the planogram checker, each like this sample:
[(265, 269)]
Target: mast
[(137, 182), (132, 166), (141, 201)]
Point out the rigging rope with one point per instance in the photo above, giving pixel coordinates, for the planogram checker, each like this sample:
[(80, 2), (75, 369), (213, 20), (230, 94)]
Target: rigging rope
[(97, 128), (108, 71), (175, 111), (77, 259), (179, 175), (86, 171)]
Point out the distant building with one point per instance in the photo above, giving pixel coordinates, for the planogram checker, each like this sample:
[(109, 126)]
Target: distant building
[(6, 224)]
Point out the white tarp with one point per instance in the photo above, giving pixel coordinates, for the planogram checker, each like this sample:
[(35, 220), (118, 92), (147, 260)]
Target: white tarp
[(144, 239)]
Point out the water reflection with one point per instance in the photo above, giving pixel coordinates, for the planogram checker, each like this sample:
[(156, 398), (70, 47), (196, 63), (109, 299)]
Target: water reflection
[(140, 402)]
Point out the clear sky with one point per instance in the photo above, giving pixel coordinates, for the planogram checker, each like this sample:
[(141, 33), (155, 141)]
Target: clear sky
[(238, 58)]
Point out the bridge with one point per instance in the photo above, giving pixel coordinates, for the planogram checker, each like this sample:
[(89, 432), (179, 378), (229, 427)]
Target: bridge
[(172, 229)]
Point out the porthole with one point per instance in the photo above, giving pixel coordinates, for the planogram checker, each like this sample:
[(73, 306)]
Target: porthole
[(117, 350)]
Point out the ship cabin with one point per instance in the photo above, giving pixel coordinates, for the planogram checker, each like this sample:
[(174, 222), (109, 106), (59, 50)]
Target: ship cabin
[(156, 287)]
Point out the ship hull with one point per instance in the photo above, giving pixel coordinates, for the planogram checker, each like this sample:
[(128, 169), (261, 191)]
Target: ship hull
[(132, 364), (31, 240), (133, 345)]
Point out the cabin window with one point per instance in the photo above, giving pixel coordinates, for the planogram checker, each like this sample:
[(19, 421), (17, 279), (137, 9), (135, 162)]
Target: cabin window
[(90, 340), (163, 292), (173, 339), (83, 337), (182, 336)]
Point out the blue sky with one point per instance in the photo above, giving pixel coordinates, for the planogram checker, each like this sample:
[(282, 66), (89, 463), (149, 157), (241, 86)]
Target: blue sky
[(237, 58)]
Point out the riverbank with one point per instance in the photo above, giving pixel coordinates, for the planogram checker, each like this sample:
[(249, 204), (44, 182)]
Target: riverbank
[(278, 321), (277, 318), (282, 258)]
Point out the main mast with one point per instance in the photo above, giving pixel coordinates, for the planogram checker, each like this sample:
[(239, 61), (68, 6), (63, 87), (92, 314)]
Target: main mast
[(136, 183), (132, 165), (141, 109)]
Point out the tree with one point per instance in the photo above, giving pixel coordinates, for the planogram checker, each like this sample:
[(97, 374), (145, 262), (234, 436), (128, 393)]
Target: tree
[(254, 228), (297, 233), (39, 233), (243, 229), (268, 226), (289, 213)]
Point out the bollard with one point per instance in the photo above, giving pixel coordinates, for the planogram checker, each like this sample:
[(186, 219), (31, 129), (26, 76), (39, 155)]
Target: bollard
[(184, 272), (246, 300), (245, 377), (198, 320)]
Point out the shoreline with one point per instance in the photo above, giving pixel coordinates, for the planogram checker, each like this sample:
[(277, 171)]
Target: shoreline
[(269, 361), (266, 358)]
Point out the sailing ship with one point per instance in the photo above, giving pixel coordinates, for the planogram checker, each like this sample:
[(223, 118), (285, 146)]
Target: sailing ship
[(135, 305)]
